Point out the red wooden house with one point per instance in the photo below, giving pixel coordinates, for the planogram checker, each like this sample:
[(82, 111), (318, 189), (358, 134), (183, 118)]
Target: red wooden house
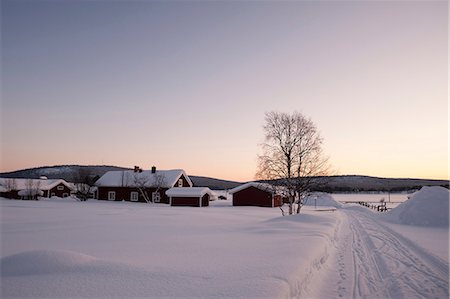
[(129, 185)]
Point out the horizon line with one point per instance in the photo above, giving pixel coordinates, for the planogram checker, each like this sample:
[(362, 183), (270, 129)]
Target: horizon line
[(331, 175)]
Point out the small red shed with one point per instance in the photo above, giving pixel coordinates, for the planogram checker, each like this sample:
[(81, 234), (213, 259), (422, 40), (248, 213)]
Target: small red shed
[(189, 196), (256, 194)]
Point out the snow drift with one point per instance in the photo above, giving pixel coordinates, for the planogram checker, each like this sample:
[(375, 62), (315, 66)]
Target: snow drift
[(427, 207), (322, 200), (38, 262)]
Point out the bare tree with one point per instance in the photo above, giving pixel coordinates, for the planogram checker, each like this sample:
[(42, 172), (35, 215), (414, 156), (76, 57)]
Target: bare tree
[(292, 156), (9, 184), (142, 182), (84, 181), (159, 181), (32, 189)]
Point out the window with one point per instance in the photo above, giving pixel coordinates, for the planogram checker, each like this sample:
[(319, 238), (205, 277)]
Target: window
[(180, 182), (156, 197), (65, 194), (134, 196), (60, 187), (111, 195), (53, 194)]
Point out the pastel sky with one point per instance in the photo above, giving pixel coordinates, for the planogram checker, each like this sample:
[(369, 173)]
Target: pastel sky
[(185, 84)]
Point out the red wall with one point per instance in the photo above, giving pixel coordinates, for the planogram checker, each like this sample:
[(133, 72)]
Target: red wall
[(205, 200), (57, 192), (185, 182), (124, 193), (191, 201), (10, 194), (277, 201), (252, 196)]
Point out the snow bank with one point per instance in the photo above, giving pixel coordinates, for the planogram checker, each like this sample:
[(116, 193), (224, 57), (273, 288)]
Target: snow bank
[(322, 200), (427, 207), (43, 262)]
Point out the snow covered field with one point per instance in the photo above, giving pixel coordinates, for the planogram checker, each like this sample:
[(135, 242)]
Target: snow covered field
[(65, 248)]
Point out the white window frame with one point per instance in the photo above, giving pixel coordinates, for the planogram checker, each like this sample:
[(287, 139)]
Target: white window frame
[(60, 188), (180, 182), (156, 196), (134, 196), (111, 195)]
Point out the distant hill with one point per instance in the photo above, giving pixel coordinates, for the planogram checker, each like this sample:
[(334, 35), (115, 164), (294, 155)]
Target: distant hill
[(215, 184), (344, 183), (68, 172), (359, 183)]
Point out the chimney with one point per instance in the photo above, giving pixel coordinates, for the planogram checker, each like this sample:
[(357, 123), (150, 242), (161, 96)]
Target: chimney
[(153, 169), (136, 168)]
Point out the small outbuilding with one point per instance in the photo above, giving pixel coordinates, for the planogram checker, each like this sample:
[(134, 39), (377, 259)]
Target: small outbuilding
[(256, 194), (189, 196)]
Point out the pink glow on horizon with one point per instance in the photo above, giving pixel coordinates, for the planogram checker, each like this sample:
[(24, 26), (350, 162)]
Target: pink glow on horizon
[(186, 84)]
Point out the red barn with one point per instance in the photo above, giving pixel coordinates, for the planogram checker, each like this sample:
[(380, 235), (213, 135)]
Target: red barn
[(256, 194), (193, 197)]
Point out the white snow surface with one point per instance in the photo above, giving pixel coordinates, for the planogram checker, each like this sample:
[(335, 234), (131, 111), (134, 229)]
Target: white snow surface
[(371, 260), (66, 249), (188, 191), (321, 199), (427, 207)]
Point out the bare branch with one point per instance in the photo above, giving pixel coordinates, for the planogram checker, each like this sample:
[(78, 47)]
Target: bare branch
[(292, 155)]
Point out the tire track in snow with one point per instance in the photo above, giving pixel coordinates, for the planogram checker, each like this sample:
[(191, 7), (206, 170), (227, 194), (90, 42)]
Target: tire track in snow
[(368, 279), (386, 265)]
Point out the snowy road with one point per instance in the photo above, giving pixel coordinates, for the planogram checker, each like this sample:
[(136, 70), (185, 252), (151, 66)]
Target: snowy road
[(369, 260)]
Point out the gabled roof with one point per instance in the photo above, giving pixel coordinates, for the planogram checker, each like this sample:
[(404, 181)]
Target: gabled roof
[(129, 178), (42, 184), (261, 186), (188, 191)]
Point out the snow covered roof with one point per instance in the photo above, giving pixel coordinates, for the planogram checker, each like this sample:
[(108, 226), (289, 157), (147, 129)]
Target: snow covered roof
[(129, 178), (261, 186), (41, 184), (188, 191)]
